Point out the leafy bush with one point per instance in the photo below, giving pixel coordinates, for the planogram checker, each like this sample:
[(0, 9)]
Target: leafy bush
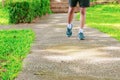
[(19, 12), (25, 11)]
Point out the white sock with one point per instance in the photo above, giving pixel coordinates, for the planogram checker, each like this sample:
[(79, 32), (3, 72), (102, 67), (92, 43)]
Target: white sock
[(81, 30), (69, 26)]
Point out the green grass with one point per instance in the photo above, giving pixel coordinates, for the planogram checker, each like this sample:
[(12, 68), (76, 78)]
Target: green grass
[(4, 15), (106, 18), (14, 46)]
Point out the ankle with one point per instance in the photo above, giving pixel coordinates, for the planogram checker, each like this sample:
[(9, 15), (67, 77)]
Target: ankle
[(69, 26), (81, 30)]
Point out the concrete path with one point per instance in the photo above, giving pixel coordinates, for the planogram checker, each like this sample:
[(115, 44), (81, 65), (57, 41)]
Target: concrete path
[(56, 57)]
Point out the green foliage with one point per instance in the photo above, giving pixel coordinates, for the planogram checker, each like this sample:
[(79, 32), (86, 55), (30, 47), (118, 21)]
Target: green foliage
[(25, 11), (4, 16), (93, 0), (19, 12), (14, 46), (106, 18)]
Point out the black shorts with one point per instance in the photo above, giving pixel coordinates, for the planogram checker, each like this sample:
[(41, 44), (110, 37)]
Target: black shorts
[(82, 3)]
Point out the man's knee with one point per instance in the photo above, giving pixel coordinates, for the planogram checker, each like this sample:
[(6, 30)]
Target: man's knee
[(71, 10), (83, 11)]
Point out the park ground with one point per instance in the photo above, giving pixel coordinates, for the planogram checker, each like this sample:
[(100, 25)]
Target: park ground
[(53, 56)]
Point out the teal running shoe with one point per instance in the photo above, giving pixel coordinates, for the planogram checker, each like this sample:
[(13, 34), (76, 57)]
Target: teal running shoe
[(81, 36), (69, 32)]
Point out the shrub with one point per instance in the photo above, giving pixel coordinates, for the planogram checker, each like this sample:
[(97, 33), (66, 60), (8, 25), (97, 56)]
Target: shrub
[(26, 11), (19, 12)]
